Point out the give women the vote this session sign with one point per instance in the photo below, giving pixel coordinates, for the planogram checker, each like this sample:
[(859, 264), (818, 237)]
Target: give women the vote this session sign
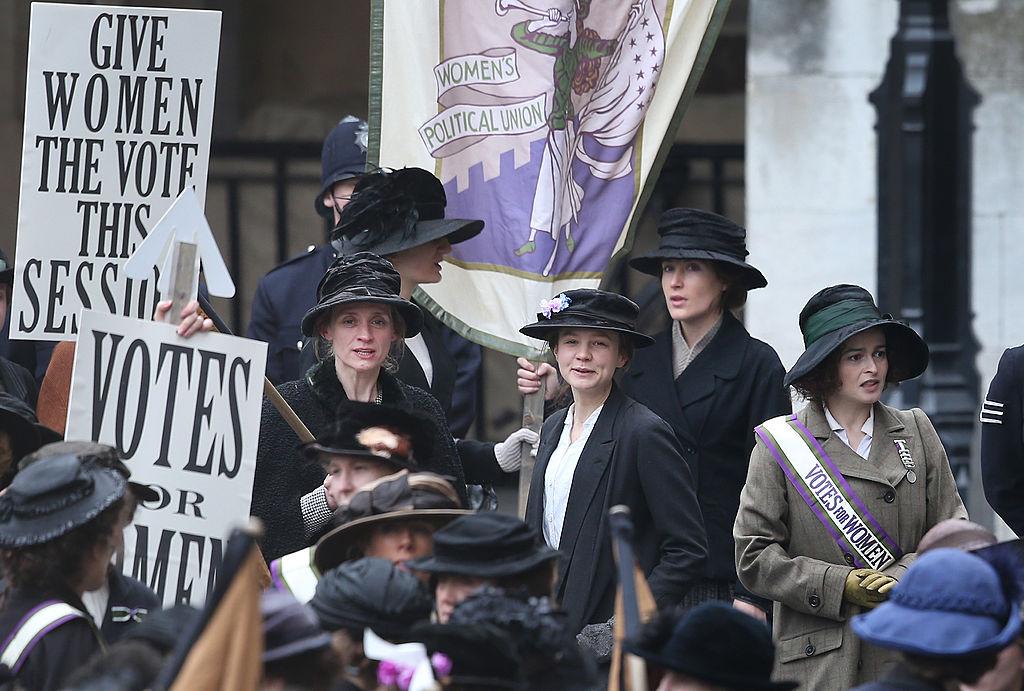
[(118, 116)]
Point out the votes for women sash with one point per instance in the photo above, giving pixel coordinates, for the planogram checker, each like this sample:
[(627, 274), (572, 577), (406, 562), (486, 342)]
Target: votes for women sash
[(548, 120), (818, 481)]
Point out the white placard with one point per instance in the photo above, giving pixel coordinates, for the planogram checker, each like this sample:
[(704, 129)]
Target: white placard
[(118, 118), (185, 413)]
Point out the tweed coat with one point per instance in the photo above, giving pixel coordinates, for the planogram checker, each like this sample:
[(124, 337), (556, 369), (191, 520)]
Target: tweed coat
[(784, 553), (632, 458)]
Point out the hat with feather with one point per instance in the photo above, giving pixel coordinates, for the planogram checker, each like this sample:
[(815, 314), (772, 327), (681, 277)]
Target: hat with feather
[(395, 210)]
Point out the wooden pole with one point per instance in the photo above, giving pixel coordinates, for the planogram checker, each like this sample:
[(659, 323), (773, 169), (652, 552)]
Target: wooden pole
[(533, 418)]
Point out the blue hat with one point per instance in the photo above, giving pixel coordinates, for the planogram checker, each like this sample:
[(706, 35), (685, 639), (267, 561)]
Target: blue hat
[(949, 603), (343, 157)]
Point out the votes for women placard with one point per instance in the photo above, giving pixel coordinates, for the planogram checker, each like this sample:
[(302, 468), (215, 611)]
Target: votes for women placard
[(118, 116), (185, 414)]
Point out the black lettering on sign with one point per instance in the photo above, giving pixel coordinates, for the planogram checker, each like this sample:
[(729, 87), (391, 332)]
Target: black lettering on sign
[(239, 370), (141, 566), (204, 407), (30, 293), (60, 97), (178, 354), (111, 41), (128, 376)]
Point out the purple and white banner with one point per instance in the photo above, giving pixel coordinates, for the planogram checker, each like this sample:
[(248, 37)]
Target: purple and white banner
[(544, 118)]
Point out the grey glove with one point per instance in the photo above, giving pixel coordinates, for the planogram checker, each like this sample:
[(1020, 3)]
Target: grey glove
[(509, 453), (598, 640)]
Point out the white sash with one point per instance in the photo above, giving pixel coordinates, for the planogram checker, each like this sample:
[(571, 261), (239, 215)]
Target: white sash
[(44, 619), (296, 573), (813, 474)]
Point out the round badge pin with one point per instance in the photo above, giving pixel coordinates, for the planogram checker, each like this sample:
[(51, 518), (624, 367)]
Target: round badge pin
[(911, 476)]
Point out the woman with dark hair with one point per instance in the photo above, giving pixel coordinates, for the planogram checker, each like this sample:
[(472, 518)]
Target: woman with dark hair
[(60, 523), (361, 316), (608, 449), (839, 495), (705, 375)]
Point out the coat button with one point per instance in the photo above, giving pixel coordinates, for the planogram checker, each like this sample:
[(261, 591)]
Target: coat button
[(848, 558), (809, 650), (814, 601), (889, 497)]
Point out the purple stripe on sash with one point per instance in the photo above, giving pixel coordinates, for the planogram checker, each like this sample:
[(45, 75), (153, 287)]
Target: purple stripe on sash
[(893, 547), (17, 628), (808, 498), (275, 576), (35, 641)]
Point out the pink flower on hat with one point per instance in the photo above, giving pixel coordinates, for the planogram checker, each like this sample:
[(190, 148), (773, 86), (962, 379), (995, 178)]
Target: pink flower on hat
[(555, 304)]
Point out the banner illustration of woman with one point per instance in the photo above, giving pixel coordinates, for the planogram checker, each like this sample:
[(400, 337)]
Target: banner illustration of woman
[(619, 95)]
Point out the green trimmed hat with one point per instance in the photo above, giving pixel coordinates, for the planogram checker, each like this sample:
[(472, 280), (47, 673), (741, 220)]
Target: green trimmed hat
[(840, 312)]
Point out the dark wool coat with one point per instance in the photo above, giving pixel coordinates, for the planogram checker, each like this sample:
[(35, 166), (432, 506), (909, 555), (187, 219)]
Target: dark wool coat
[(60, 651), (130, 601), (283, 475), (1002, 440), (18, 382), (732, 386), (632, 458)]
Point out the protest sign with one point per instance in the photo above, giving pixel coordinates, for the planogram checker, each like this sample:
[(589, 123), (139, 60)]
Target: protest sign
[(548, 119), (118, 118), (185, 413)]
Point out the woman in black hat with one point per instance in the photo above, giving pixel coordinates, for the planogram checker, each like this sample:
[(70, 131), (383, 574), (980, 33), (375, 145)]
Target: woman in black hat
[(711, 646), (705, 375), (839, 495), (392, 518), (607, 449), (486, 549), (361, 316), (365, 594), (399, 214), (60, 523)]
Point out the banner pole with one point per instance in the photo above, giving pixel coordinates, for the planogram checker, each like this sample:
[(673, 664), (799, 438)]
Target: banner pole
[(533, 418)]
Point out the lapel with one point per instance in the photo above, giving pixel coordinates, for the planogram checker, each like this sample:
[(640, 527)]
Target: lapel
[(719, 361), (589, 471), (535, 502), (883, 462), (443, 363)]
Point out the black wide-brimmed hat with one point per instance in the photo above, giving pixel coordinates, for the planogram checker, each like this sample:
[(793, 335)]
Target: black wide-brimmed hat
[(714, 643), (402, 496), (53, 496), (362, 277), (25, 433), (102, 454), (343, 157), (394, 210), (396, 434), (837, 313), (588, 308), (485, 545), (6, 269), (482, 656), (696, 234), (371, 593)]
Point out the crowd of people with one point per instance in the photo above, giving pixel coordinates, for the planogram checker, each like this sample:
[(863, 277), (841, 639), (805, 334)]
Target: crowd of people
[(826, 549)]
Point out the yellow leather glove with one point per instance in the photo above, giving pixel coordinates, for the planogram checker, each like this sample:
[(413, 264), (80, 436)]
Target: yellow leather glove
[(867, 588)]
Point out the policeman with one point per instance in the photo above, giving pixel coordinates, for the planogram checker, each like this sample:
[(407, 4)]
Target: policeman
[(1002, 440), (288, 291)]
